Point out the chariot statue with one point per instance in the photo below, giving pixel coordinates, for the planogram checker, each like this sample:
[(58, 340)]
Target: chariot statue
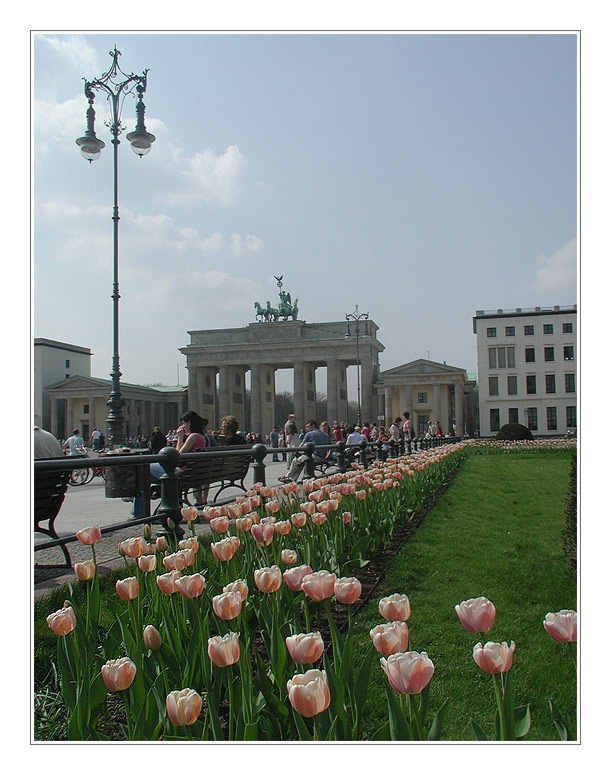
[(286, 308)]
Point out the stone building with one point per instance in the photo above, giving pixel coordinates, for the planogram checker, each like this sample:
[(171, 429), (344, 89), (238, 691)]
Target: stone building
[(55, 361)]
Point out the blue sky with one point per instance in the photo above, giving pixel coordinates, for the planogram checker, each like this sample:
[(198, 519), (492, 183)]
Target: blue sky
[(422, 176)]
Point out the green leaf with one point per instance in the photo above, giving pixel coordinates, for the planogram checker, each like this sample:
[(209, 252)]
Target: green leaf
[(399, 728), (479, 732), (302, 730), (435, 730), (508, 710), (563, 732), (251, 731), (336, 688), (522, 720), (382, 734)]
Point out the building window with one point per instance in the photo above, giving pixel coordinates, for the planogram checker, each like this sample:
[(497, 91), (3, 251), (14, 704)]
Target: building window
[(548, 328), (529, 330), (423, 398), (571, 417), (491, 332), (512, 385), (552, 422), (495, 421), (531, 384), (529, 355), (67, 364), (567, 328), (569, 353), (569, 383), (66, 377), (493, 386), (423, 420), (511, 357), (501, 357), (85, 408), (548, 353), (492, 357), (550, 383), (512, 415), (510, 330), (531, 418)]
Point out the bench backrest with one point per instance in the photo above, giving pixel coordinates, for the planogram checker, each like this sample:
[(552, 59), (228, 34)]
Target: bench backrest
[(49, 493), (210, 469)]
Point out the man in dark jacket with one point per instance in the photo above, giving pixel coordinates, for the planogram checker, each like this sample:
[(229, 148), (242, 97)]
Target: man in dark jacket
[(157, 441)]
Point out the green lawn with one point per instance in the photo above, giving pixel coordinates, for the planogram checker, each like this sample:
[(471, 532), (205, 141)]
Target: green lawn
[(496, 532)]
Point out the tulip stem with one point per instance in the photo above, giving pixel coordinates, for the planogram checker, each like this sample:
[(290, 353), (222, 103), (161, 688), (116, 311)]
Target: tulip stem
[(499, 702), (415, 713)]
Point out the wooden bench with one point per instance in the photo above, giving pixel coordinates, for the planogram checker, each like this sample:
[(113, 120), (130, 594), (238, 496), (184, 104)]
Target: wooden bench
[(210, 470), (49, 493)]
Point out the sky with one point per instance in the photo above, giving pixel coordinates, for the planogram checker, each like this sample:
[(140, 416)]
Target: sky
[(420, 176)]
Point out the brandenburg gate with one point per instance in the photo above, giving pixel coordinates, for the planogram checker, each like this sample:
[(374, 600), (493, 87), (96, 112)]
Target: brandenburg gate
[(279, 341)]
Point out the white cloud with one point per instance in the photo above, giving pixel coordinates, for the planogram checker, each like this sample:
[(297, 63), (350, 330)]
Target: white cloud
[(558, 270), (73, 50), (217, 178)]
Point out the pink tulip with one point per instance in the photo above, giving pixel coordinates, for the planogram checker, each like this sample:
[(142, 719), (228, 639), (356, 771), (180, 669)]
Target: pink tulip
[(476, 614), (151, 637), (308, 508), (189, 543), (263, 533), (219, 524), (89, 535), (268, 579), (133, 547), (189, 513), (272, 507), (305, 648), (408, 672), (147, 563), (309, 692), (190, 586), (227, 605), (63, 621), (283, 527), (294, 576), (494, 657), (118, 674), (223, 550), (288, 556), (390, 638), (316, 496), (183, 707), (128, 589), (243, 524), (161, 544), (561, 626), (318, 518), (235, 510), (84, 570), (395, 608), (347, 590), (327, 506), (346, 517), (299, 519), (318, 586), (361, 494), (225, 650), (167, 582), (240, 586)]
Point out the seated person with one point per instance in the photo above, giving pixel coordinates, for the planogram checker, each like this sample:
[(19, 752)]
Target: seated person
[(229, 429), (316, 436)]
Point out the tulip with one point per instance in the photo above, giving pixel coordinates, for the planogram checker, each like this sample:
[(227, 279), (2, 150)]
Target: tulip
[(408, 672), (147, 563), (318, 518), (327, 506), (283, 527), (84, 570), (190, 586), (63, 621), (305, 648), (390, 638), (223, 550), (219, 524), (189, 556), (272, 507), (562, 626), (299, 519), (227, 605), (133, 547), (346, 517), (243, 524), (361, 494), (494, 657), (476, 614), (167, 582), (263, 534), (239, 585), (189, 513), (176, 561), (224, 650), (318, 586), (316, 496), (395, 608), (308, 508), (161, 544), (118, 674), (183, 707), (128, 589), (89, 535), (235, 510), (268, 579), (151, 637), (288, 556), (268, 520), (309, 692), (189, 543), (347, 590), (294, 576)]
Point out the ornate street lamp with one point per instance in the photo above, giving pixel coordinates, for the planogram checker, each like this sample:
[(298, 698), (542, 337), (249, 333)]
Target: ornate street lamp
[(141, 141), (356, 316)]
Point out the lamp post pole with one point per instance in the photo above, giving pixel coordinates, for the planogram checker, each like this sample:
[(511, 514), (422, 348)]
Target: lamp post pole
[(357, 316), (116, 91)]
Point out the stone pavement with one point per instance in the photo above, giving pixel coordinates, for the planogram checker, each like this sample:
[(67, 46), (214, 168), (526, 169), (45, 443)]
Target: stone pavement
[(87, 505)]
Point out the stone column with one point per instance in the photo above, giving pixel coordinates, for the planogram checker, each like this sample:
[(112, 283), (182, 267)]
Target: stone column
[(255, 398), (268, 399), (223, 392), (367, 387), (458, 408), (298, 389), (69, 416), (192, 391), (436, 403), (53, 420), (237, 393), (332, 391), (388, 405), (342, 392)]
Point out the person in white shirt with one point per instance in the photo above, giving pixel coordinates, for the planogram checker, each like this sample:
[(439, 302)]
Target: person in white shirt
[(46, 445), (75, 444)]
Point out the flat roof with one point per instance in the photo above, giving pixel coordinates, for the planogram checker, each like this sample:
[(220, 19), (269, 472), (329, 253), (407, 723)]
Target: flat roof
[(75, 348)]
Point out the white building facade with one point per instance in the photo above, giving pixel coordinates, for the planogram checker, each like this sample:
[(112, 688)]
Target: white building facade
[(527, 369), (55, 361)]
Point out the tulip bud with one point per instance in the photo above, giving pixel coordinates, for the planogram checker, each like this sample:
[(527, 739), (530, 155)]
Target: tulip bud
[(288, 556), (305, 648), (84, 570), (118, 674), (347, 590), (227, 605), (151, 637), (89, 535), (476, 614), (494, 657), (127, 589), (147, 563), (395, 608), (224, 650), (268, 579), (161, 544), (190, 586)]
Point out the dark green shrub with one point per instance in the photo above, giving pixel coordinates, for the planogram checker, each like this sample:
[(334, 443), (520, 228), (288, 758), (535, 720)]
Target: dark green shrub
[(513, 431), (569, 534)]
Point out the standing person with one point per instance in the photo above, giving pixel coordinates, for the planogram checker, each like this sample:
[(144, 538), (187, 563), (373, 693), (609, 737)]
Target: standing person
[(373, 433), (291, 437), (438, 431), (273, 438), (46, 445), (394, 431), (75, 444), (408, 431), (157, 441), (431, 430), (316, 436), (96, 435)]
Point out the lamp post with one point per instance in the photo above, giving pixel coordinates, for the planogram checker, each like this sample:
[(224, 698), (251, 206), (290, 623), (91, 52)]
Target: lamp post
[(356, 316), (116, 91)]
